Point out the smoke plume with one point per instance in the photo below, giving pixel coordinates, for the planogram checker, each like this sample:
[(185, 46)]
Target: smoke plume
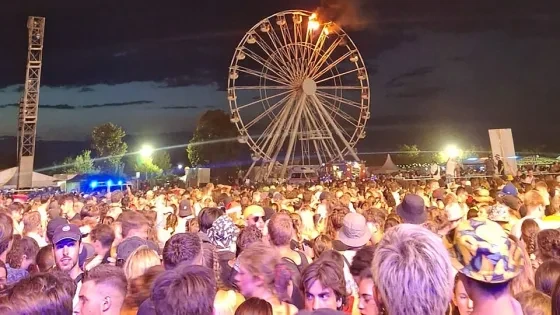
[(348, 14)]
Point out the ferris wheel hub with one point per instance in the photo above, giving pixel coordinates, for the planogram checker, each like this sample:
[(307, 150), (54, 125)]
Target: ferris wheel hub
[(309, 86)]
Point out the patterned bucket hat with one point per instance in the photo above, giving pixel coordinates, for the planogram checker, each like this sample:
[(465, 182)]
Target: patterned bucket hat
[(482, 251), (499, 213)]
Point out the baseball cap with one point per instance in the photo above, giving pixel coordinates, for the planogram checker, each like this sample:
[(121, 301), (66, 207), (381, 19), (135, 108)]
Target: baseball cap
[(509, 189), (52, 225), (66, 231), (185, 208)]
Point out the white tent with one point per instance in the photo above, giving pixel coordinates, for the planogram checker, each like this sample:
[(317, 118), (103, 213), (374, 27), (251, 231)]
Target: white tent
[(8, 179), (387, 168)]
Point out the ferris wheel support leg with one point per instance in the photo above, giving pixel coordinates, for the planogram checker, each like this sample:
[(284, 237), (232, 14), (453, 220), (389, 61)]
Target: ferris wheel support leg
[(275, 136), (333, 124), (287, 126), (294, 132), (249, 171)]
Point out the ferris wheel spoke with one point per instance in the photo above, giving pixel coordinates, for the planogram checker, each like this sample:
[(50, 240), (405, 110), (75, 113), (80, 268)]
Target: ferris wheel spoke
[(333, 64), (263, 75), (270, 142), (338, 75), (280, 137), (317, 50), (261, 100), (280, 72), (313, 126), (340, 99), (326, 126), (339, 112), (267, 112), (328, 118), (327, 53), (331, 87), (263, 87), (272, 55), (293, 131)]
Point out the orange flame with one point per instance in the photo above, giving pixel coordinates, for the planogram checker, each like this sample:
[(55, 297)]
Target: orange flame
[(313, 24)]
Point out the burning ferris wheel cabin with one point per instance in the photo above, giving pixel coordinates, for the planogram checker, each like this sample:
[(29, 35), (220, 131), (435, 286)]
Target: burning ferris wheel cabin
[(298, 92)]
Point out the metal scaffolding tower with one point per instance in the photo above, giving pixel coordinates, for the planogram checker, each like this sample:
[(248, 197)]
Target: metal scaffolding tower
[(29, 105)]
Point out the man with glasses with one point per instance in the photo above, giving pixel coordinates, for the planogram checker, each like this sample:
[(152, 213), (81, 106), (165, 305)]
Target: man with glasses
[(254, 215)]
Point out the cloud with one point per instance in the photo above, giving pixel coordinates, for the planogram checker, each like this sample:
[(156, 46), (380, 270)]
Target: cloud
[(59, 106), (19, 89), (180, 107), (142, 102), (66, 106), (419, 92), (414, 73), (86, 89)]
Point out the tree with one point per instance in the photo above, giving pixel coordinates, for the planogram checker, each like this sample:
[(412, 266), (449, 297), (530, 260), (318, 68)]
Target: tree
[(146, 166), (408, 154), (81, 164), (214, 140), (162, 160), (107, 141)]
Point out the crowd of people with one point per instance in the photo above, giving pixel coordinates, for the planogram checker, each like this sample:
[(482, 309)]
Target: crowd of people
[(385, 246)]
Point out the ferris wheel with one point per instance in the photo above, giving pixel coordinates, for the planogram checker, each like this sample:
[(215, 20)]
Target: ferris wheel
[(298, 92)]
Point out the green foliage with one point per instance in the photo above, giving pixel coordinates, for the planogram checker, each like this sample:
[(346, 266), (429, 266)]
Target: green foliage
[(81, 164), (146, 165), (162, 160), (214, 140), (107, 141)]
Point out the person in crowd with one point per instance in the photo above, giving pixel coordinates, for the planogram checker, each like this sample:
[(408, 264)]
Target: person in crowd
[(102, 237), (547, 275), (254, 215), (261, 273), (140, 260), (254, 306), (134, 227), (487, 284), (362, 261), (66, 248), (412, 272), (22, 256), (412, 209), (181, 248), (33, 228), (462, 304), (534, 302), (173, 286), (39, 294), (366, 301), (103, 291), (323, 285), (3, 275)]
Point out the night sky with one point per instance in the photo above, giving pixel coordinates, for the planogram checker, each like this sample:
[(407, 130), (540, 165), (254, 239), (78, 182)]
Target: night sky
[(439, 71)]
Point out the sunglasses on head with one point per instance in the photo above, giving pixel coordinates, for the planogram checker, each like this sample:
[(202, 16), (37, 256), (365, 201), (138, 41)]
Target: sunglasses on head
[(256, 218)]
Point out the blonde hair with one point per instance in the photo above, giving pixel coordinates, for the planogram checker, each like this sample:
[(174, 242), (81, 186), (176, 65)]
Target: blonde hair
[(140, 260), (534, 303), (414, 257), (262, 260), (226, 302)]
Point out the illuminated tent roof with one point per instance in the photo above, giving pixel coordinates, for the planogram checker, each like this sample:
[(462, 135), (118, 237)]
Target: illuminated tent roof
[(387, 168), (8, 179)]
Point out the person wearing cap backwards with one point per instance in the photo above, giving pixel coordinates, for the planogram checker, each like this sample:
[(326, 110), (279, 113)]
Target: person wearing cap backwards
[(66, 249), (487, 260)]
